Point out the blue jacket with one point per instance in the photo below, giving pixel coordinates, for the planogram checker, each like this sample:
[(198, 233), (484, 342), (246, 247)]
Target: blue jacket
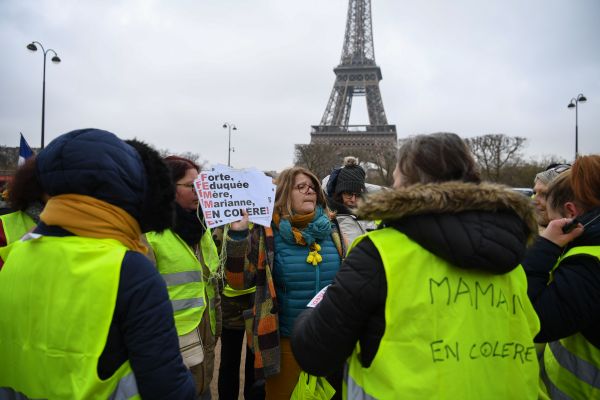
[(296, 281)]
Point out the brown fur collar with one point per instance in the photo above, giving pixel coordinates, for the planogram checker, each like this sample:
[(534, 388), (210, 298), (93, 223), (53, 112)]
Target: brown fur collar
[(444, 198)]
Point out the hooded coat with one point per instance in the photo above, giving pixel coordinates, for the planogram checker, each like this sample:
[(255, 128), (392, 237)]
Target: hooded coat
[(484, 227), (98, 164)]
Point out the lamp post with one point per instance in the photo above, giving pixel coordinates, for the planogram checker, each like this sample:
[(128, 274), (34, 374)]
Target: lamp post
[(575, 103), (32, 46), (230, 126)]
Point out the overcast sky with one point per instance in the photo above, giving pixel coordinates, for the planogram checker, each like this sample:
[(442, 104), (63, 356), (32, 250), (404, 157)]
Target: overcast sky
[(171, 72)]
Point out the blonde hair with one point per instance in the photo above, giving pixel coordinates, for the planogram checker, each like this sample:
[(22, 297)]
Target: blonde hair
[(285, 186)]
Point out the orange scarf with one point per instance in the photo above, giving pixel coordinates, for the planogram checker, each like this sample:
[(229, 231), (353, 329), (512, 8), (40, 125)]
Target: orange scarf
[(298, 222), (89, 217)]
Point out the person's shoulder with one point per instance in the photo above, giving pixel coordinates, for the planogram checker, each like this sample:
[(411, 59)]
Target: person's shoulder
[(137, 269)]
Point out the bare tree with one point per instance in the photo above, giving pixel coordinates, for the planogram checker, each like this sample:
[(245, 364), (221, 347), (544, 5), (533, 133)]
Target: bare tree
[(382, 162), (494, 152), (8, 158), (194, 157), (320, 159)]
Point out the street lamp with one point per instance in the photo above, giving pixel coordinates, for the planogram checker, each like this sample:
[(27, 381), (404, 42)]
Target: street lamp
[(575, 103), (230, 126), (32, 46)]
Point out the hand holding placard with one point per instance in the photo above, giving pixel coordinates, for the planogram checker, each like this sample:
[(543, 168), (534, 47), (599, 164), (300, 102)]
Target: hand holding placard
[(224, 193)]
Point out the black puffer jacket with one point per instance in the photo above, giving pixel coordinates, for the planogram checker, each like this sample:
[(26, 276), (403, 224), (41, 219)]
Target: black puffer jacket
[(483, 227), (98, 164)]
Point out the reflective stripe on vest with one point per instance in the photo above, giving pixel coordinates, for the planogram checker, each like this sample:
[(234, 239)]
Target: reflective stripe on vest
[(188, 289), (572, 364), (352, 390), (582, 369), (75, 291), (126, 389), (228, 291), (179, 278), (183, 275), (15, 225), (450, 333)]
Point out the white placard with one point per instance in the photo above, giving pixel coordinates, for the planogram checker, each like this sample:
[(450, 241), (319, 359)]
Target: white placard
[(224, 193), (318, 297)]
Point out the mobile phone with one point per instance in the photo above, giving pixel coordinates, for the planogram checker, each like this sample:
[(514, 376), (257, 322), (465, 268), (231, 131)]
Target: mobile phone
[(570, 226), (584, 219)]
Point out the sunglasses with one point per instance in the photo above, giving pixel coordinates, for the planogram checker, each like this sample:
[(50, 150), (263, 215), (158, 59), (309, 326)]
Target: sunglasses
[(561, 168)]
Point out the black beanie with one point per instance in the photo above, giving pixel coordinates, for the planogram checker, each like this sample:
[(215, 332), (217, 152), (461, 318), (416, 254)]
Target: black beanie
[(351, 178)]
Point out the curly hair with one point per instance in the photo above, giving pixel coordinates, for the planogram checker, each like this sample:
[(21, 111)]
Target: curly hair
[(158, 209), (25, 187)]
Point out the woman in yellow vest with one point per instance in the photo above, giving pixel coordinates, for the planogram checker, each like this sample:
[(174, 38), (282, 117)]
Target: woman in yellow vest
[(25, 202), (563, 273), (186, 257), (83, 313), (433, 304)]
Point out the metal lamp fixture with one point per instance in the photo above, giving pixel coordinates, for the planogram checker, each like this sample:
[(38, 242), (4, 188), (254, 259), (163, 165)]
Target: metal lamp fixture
[(55, 59), (575, 103), (231, 127)]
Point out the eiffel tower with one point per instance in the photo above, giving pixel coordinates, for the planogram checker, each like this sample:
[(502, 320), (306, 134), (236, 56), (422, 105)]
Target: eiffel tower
[(356, 75)]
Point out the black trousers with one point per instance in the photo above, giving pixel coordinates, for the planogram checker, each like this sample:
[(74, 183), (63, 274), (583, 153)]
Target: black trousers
[(229, 370)]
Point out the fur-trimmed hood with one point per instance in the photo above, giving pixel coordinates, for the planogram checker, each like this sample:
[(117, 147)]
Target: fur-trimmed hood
[(474, 226)]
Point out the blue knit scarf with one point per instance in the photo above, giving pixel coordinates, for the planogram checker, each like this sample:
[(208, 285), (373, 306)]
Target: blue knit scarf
[(319, 228)]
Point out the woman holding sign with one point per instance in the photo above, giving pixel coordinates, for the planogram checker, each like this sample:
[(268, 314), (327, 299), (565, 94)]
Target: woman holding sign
[(433, 305), (186, 257), (289, 263)]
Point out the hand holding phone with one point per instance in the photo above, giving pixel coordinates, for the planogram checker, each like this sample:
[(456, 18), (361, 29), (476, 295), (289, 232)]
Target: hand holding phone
[(569, 226), (555, 231)]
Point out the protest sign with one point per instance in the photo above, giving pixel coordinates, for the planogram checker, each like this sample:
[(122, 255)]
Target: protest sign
[(318, 297), (225, 193)]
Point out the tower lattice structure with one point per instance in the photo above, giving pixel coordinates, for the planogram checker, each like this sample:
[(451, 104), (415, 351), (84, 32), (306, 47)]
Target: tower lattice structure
[(356, 75)]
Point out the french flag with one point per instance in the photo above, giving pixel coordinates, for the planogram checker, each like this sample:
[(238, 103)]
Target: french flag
[(24, 151)]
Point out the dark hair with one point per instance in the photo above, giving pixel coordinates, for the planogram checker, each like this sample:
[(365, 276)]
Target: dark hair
[(158, 208), (179, 166), (438, 157), (560, 192), (25, 187), (585, 181)]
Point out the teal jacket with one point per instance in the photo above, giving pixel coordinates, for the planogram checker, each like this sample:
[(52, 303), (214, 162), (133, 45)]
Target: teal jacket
[(296, 281)]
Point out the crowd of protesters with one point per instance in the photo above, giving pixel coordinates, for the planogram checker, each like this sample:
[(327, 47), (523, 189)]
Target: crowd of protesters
[(441, 287)]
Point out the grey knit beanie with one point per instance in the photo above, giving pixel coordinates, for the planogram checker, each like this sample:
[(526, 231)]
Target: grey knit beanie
[(351, 178), (550, 174)]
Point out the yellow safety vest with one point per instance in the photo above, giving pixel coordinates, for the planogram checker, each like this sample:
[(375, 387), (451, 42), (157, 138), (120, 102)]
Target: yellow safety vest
[(182, 272), (57, 300), (450, 333), (571, 368), (15, 225)]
